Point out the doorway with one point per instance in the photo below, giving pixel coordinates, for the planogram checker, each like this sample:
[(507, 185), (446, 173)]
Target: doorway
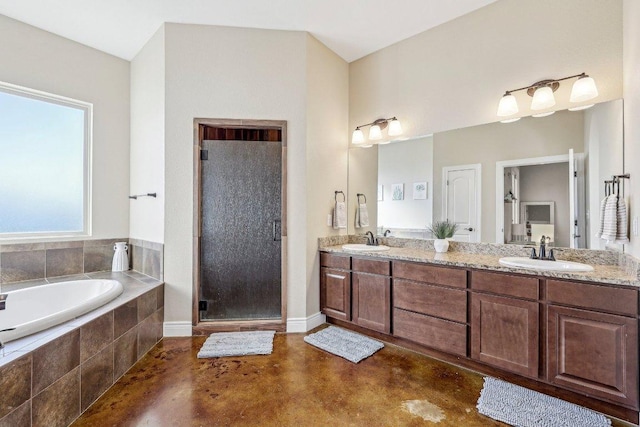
[(240, 249)]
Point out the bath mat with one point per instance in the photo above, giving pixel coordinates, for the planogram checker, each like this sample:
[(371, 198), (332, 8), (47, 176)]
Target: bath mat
[(346, 344), (522, 407), (221, 344)]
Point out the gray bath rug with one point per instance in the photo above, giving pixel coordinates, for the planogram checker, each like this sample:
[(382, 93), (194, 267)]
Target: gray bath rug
[(222, 344), (522, 407), (346, 344)]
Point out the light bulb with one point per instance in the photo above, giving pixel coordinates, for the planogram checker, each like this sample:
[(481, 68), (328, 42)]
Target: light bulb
[(508, 105), (375, 133), (395, 128), (357, 137), (543, 98), (583, 89)]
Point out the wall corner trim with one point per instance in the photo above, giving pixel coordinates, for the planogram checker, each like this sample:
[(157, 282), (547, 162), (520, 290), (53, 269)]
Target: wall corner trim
[(305, 324), (176, 329)]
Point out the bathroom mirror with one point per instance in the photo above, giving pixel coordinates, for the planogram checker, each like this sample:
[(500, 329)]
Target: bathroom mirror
[(595, 135)]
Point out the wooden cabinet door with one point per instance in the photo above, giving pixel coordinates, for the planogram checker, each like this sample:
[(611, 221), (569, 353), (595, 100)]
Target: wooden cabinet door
[(335, 293), (593, 353), (372, 301), (505, 333)]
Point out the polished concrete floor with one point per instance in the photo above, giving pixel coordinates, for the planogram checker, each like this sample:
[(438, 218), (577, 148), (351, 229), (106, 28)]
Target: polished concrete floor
[(297, 385)]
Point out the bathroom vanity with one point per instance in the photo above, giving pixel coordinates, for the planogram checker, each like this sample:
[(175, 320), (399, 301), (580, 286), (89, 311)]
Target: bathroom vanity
[(571, 336)]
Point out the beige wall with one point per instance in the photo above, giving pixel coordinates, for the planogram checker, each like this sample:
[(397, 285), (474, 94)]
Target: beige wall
[(488, 144), (146, 220), (326, 145), (40, 60), (632, 112), (453, 75), (220, 72)]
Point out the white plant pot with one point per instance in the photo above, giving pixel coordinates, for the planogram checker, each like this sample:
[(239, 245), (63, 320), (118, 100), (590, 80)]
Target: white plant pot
[(120, 257), (441, 245)]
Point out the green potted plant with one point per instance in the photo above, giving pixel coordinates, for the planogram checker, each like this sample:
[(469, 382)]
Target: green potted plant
[(442, 230)]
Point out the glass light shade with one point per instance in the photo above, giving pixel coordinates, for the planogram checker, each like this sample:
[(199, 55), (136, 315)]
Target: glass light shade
[(395, 128), (515, 119), (384, 142), (583, 89), (357, 137), (548, 113), (543, 98), (366, 146), (508, 106), (375, 133)]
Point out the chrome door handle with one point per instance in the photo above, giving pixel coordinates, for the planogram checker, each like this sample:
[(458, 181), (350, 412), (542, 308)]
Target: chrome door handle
[(277, 231), (469, 229)]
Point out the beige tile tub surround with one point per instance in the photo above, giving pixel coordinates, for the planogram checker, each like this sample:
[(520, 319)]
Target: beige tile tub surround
[(39, 261), (53, 384), (33, 261)]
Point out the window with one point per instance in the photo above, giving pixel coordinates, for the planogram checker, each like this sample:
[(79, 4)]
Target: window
[(45, 152)]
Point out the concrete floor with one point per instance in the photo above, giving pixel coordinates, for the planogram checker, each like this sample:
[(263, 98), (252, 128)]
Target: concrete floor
[(297, 385)]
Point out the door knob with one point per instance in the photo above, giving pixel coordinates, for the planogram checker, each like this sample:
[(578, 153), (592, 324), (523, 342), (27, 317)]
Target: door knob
[(469, 229)]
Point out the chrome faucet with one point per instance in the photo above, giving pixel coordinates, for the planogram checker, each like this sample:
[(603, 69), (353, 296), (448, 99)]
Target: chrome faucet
[(386, 233), (371, 240), (542, 252)]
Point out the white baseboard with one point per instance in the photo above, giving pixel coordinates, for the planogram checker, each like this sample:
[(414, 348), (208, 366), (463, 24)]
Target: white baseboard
[(176, 329), (304, 324)]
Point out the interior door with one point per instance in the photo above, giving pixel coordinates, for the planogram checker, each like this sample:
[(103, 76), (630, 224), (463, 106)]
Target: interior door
[(240, 251), (461, 202)]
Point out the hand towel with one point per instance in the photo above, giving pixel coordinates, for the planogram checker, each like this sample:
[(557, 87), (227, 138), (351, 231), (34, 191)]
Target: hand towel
[(603, 203), (340, 215), (609, 219), (621, 222), (363, 215)]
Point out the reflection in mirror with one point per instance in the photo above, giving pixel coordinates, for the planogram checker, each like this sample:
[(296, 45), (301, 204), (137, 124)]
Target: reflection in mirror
[(595, 136)]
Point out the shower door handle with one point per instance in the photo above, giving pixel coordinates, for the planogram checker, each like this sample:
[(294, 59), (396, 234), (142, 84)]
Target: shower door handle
[(277, 230)]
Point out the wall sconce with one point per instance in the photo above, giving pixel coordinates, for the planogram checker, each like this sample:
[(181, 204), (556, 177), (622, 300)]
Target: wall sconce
[(375, 131), (584, 89)]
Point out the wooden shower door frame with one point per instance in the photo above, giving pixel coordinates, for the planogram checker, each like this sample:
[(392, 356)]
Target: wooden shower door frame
[(204, 328)]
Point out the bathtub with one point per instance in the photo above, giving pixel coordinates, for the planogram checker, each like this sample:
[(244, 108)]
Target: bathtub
[(40, 307)]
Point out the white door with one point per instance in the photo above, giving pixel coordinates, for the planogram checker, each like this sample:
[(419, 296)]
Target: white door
[(576, 200), (462, 196)]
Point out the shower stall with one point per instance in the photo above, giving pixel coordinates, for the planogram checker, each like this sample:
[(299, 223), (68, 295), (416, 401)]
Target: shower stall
[(241, 183)]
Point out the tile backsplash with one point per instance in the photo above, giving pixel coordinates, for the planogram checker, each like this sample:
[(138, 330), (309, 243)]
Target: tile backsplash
[(39, 261)]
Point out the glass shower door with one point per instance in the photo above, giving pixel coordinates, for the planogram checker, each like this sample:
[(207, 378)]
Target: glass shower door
[(240, 250)]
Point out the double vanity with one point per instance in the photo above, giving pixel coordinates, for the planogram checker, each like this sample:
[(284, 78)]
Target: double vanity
[(573, 335)]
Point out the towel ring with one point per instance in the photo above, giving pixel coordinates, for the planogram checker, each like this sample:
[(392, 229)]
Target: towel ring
[(361, 195), (344, 199)]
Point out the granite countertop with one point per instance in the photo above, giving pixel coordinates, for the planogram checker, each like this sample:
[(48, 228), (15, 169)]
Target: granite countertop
[(604, 274)]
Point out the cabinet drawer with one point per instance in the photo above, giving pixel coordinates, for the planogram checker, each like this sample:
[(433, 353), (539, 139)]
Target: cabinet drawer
[(505, 284), (371, 266), (431, 274), (604, 298), (447, 303), (335, 261), (440, 334)]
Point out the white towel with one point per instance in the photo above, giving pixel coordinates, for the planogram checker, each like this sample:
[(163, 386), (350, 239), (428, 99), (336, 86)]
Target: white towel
[(340, 215), (621, 222), (609, 221), (615, 227), (363, 215)]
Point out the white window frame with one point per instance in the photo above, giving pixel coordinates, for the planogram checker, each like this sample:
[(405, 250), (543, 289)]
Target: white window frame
[(87, 159)]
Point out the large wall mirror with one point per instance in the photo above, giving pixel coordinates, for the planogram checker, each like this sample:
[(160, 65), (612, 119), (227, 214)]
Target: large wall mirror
[(502, 182)]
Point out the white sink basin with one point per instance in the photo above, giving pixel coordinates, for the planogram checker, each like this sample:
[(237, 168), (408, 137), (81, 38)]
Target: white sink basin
[(361, 247), (544, 265)]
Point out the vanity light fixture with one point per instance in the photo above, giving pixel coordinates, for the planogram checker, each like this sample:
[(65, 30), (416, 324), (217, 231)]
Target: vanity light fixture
[(584, 89), (375, 131)]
